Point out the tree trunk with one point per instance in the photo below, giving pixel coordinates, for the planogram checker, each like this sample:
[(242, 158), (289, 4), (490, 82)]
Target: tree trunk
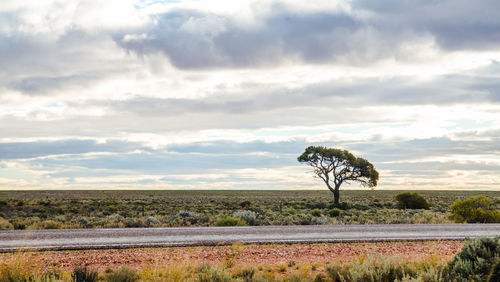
[(336, 194)]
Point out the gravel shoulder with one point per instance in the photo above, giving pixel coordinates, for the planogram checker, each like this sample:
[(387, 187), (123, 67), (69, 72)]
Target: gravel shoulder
[(239, 255)]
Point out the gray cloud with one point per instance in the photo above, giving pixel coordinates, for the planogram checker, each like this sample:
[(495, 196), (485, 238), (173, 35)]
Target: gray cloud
[(23, 150), (200, 40)]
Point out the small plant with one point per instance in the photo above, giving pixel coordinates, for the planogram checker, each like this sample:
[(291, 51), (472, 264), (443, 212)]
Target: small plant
[(82, 274), (123, 274), (248, 274), (475, 261), (245, 204), (495, 273), (249, 216), (208, 274), (411, 200), (316, 213), (475, 210), (334, 212), (5, 224), (185, 214), (51, 224), (152, 220), (230, 221), (282, 268)]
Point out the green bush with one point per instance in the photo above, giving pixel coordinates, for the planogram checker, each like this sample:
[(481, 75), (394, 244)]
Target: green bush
[(230, 221), (334, 212), (495, 273), (208, 274), (82, 274), (316, 213), (411, 200), (476, 209), (51, 224), (5, 224), (475, 261), (123, 274)]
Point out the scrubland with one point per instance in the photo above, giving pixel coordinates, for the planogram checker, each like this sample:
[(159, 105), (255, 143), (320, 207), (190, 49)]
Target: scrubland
[(110, 209)]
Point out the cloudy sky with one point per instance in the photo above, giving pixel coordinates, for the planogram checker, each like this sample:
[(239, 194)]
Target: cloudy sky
[(151, 94)]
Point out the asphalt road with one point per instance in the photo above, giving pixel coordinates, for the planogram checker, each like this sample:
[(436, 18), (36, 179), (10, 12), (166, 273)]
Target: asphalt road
[(73, 239)]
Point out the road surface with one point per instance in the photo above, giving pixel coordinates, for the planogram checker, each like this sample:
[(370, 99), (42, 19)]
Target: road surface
[(74, 239)]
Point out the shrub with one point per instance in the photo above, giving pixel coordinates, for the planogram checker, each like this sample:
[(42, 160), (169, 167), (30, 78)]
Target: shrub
[(334, 212), (230, 221), (316, 213), (185, 214), (51, 224), (5, 224), (249, 216), (476, 209), (82, 274), (495, 273), (475, 261), (245, 204), (152, 220), (208, 274), (411, 200), (123, 274)]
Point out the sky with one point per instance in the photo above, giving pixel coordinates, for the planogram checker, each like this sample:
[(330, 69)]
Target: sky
[(131, 94)]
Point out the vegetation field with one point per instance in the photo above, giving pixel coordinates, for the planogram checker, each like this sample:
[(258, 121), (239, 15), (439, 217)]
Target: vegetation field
[(108, 209)]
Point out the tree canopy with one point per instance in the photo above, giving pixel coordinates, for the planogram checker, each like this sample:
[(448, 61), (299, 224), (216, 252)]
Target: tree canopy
[(336, 166)]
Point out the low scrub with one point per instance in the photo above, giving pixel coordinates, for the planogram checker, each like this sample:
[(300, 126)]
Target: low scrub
[(230, 221), (82, 274), (123, 274), (476, 261), (475, 210), (411, 200)]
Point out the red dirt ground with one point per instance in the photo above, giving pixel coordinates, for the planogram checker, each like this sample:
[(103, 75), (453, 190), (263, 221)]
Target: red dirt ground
[(264, 255)]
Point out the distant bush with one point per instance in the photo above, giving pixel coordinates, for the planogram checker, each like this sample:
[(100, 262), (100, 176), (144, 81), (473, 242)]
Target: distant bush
[(475, 261), (152, 220), (206, 273), (476, 209), (123, 274), (249, 216), (82, 274), (185, 214), (245, 204), (230, 221), (316, 213), (411, 200), (5, 224), (334, 212), (51, 224)]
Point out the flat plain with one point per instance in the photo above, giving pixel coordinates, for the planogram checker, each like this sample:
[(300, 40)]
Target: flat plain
[(118, 209)]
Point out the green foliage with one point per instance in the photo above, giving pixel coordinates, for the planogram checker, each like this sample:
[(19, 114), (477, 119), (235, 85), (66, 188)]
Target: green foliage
[(495, 273), (476, 209), (230, 221), (5, 224), (248, 216), (51, 224), (316, 213), (356, 169), (245, 204), (206, 273), (123, 274), (411, 200), (475, 261), (334, 212), (82, 274)]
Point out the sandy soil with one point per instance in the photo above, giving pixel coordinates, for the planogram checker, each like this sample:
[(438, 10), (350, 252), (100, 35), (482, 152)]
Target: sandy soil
[(264, 255)]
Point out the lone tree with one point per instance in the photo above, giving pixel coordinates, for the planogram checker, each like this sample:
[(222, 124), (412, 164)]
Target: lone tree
[(337, 166)]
